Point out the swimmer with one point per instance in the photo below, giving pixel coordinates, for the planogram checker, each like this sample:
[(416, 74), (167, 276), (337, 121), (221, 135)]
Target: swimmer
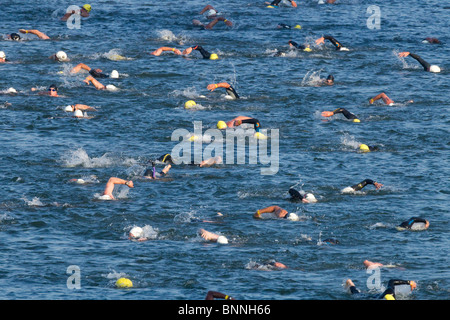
[(37, 33), (362, 184), (366, 148), (426, 66), (3, 57), (277, 2), (271, 264), (137, 234), (160, 50), (210, 25), (84, 12), (331, 241), (228, 88), (98, 85), (211, 295), (52, 91), (338, 46), (211, 13), (304, 197), (293, 44), (13, 37), (60, 56), (372, 265), (213, 237), (167, 158), (384, 97), (96, 73), (205, 54), (238, 121), (414, 224), (75, 107), (286, 26), (431, 40), (345, 112), (107, 194), (274, 212), (152, 174), (390, 292)]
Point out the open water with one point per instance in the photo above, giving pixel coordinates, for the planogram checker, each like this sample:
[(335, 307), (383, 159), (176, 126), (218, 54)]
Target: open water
[(48, 224)]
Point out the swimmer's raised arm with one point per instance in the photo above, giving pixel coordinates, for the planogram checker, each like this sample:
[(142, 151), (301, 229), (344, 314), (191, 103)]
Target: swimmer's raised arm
[(206, 8), (38, 33), (382, 96), (362, 184), (216, 20), (95, 82), (158, 51), (214, 86), (109, 188), (345, 112)]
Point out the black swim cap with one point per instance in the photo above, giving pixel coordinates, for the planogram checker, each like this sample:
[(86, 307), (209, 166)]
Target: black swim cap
[(330, 77), (53, 87), (15, 36)]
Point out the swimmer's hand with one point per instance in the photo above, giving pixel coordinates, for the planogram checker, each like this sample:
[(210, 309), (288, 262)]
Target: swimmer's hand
[(377, 185), (237, 122), (294, 4), (129, 184), (403, 54), (327, 113), (320, 40), (23, 31)]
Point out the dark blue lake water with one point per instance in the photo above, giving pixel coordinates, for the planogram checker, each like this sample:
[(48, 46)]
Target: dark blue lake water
[(48, 223)]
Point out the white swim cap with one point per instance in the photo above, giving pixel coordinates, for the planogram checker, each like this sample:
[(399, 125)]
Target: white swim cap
[(78, 114), (435, 68), (210, 12), (292, 217), (310, 197), (2, 55), (61, 55), (12, 90), (68, 109), (136, 232), (114, 74), (222, 240), (111, 87)]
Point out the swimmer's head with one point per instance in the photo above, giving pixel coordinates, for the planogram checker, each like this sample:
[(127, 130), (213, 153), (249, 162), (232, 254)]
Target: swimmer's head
[(2, 55), (111, 87), (68, 109), (78, 114), (330, 79), (15, 36), (222, 240), (53, 90), (364, 147), (87, 7), (11, 90), (310, 197), (213, 56), (435, 68), (221, 125), (61, 56), (292, 216), (114, 74), (136, 232), (356, 120), (124, 283)]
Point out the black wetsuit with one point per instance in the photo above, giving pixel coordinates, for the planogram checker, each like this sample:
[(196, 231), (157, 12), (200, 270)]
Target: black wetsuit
[(334, 42), (362, 184), (277, 2), (205, 54), (96, 74), (346, 113), (391, 287), (296, 45), (253, 121), (426, 66), (231, 92), (409, 223), (295, 195)]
